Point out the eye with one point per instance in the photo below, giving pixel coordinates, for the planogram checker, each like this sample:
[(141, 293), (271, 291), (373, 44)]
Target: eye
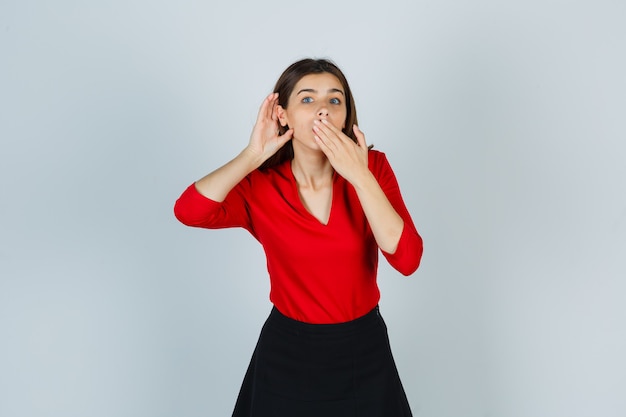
[(335, 101), (307, 100)]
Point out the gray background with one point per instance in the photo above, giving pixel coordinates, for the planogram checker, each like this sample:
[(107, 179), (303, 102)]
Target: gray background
[(504, 121)]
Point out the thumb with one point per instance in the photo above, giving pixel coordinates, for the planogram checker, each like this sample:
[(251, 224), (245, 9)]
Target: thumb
[(360, 137), (285, 137)]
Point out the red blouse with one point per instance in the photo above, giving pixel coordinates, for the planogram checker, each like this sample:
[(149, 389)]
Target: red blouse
[(318, 273)]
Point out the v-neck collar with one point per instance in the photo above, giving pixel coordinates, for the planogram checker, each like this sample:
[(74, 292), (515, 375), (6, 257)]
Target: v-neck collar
[(302, 206)]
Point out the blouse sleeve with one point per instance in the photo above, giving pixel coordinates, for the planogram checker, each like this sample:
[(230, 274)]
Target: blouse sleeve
[(194, 209), (408, 254)]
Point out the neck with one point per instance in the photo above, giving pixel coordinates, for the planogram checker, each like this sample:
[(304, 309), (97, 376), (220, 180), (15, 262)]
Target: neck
[(312, 169)]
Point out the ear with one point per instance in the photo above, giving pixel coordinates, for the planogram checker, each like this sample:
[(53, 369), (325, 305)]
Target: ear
[(282, 116)]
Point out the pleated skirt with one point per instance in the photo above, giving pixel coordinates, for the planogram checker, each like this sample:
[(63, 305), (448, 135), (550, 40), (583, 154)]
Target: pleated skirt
[(326, 370)]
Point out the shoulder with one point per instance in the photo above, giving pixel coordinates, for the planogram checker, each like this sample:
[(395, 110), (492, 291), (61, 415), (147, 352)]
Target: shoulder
[(276, 176), (377, 160), (280, 170), (375, 155), (381, 168)]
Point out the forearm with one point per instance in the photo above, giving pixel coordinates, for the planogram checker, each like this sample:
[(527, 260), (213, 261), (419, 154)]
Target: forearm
[(384, 220), (218, 183)]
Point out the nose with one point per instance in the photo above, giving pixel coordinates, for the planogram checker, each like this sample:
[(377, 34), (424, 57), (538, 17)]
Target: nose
[(323, 112)]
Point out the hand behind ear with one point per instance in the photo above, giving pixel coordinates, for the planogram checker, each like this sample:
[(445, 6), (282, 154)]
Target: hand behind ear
[(265, 139)]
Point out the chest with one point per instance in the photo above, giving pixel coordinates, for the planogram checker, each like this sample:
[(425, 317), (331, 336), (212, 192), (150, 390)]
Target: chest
[(318, 202), (294, 220)]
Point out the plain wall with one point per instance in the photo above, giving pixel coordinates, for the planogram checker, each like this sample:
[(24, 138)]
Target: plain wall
[(504, 122)]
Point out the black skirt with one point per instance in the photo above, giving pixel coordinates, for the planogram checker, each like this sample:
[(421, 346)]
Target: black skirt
[(329, 370)]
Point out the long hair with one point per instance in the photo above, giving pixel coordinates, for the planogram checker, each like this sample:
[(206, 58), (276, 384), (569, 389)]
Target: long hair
[(284, 87)]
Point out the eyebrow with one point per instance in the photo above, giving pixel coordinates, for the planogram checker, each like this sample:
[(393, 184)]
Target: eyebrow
[(311, 90)]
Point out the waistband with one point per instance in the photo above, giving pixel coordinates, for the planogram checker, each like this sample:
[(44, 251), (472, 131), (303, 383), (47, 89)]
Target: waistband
[(278, 319)]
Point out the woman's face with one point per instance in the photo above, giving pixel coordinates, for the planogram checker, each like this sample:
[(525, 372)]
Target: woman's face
[(315, 97)]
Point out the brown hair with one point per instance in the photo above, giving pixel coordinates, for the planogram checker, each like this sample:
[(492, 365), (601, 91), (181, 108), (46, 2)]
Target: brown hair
[(284, 87)]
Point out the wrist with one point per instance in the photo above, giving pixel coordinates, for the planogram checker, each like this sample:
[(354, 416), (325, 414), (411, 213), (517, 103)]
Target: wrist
[(364, 180), (251, 158)]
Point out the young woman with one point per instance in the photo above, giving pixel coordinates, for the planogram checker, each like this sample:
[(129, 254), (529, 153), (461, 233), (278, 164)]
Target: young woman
[(322, 204)]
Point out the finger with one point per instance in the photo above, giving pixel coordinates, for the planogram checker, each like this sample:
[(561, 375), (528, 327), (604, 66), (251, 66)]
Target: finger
[(265, 106), (271, 108), (324, 146), (323, 134), (360, 137), (286, 137), (331, 128)]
